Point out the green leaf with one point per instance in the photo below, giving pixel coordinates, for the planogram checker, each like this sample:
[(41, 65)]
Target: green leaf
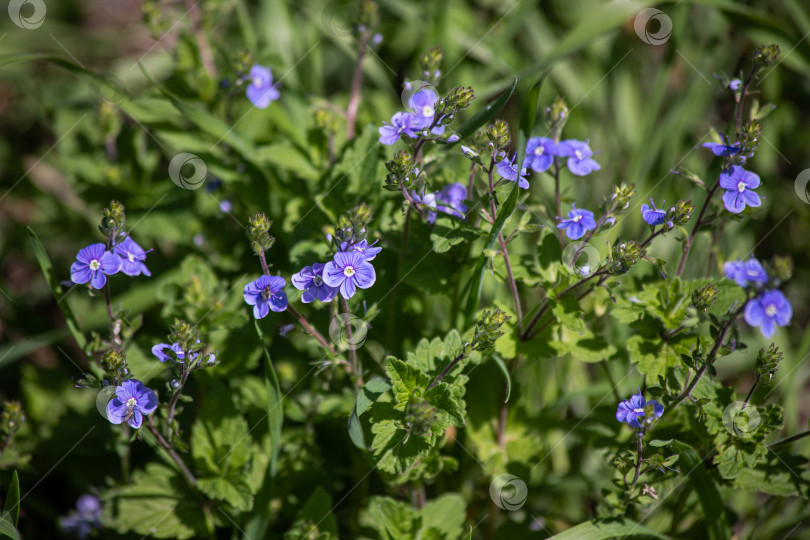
[(372, 390), (318, 509), (275, 407), (11, 507), (450, 232), (713, 509), (222, 450), (54, 283), (407, 380), (603, 529), (155, 503), (486, 114), (8, 530), (502, 366), (445, 514)]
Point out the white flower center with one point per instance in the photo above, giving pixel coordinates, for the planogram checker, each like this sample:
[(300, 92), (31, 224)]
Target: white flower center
[(131, 257), (753, 273), (770, 311), (258, 81), (578, 154), (639, 410), (427, 110), (741, 187), (95, 264), (317, 280), (577, 218), (131, 402), (349, 271), (539, 151)]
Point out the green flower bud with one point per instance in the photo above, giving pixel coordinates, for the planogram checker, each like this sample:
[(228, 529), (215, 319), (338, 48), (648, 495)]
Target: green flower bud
[(258, 232), (781, 268), (402, 172), (430, 62), (113, 220), (765, 55), (419, 417), (488, 329), (327, 121), (556, 117), (12, 418), (498, 134), (458, 99), (767, 363), (186, 335), (705, 297), (681, 213), (625, 256), (622, 195), (115, 365), (369, 16)]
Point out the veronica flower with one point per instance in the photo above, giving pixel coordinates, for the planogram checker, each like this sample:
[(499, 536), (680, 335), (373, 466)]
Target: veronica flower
[(540, 152), (768, 311), (450, 200), (723, 149), (422, 105), (652, 215), (402, 123), (94, 263), (265, 294), (579, 156), (750, 271), (349, 270), (507, 168), (132, 401), (310, 280), (85, 519), (739, 185), (735, 84), (428, 200), (369, 251), (132, 257), (160, 353), (577, 223), (261, 91), (636, 410)]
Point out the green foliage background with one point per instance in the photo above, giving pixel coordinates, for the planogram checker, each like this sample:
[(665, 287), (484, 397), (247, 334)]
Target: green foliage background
[(65, 153)]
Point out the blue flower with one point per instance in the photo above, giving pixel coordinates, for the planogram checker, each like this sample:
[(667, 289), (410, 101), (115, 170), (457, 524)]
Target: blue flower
[(401, 123), (577, 223), (132, 401), (428, 200), (349, 270), (507, 168), (85, 519), (261, 91), (369, 251), (132, 257), (310, 280), (579, 156), (767, 311), (159, 351), (723, 149), (739, 185), (468, 152), (422, 105), (750, 271), (540, 152), (450, 200), (652, 215), (735, 84), (94, 263), (264, 294), (636, 410)]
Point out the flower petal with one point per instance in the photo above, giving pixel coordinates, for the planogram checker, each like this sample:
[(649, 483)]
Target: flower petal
[(333, 274), (80, 272), (347, 288)]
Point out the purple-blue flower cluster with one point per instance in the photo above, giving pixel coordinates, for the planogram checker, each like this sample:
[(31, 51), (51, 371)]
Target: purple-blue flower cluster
[(95, 262), (265, 294), (637, 411), (652, 215), (421, 115), (540, 153), (131, 403), (348, 271), (261, 91), (507, 168), (450, 200), (85, 519), (769, 308), (577, 223)]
